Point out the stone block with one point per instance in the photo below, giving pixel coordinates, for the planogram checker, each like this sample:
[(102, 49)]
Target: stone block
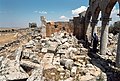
[(47, 59), (18, 54), (37, 75), (29, 64), (56, 60), (30, 44), (73, 71), (53, 47), (64, 40), (44, 50), (17, 76), (68, 63), (61, 51), (50, 72)]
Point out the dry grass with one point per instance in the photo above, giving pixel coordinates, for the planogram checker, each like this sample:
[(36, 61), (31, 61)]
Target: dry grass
[(7, 38)]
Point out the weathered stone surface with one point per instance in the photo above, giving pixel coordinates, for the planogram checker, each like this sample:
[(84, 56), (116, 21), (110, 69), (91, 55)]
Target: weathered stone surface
[(64, 40), (68, 63), (118, 53), (29, 64), (87, 78), (3, 78), (61, 51), (44, 50), (1, 59), (30, 44), (57, 58), (53, 47), (12, 70), (26, 53), (37, 75), (47, 59), (110, 35), (69, 79), (18, 54), (72, 49), (51, 72), (17, 76), (73, 71)]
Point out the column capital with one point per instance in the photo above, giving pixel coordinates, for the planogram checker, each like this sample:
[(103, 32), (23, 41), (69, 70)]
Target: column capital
[(94, 21), (105, 19)]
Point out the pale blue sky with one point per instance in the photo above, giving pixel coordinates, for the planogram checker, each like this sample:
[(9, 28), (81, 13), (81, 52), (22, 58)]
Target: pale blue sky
[(18, 13)]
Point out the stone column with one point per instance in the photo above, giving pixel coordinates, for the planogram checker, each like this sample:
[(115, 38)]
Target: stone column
[(94, 30), (43, 25), (88, 30), (93, 24), (118, 47), (104, 36), (118, 52)]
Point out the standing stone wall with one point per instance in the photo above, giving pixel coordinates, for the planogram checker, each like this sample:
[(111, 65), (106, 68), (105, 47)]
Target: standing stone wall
[(79, 26), (52, 27)]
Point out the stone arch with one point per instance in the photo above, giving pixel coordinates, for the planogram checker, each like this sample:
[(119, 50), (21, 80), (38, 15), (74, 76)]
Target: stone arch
[(96, 13), (105, 25), (94, 21), (109, 7), (94, 10), (88, 17), (108, 11)]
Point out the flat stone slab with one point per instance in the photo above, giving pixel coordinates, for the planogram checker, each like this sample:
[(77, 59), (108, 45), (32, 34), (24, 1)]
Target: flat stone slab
[(17, 76), (37, 75), (29, 64), (53, 47), (47, 59), (44, 50)]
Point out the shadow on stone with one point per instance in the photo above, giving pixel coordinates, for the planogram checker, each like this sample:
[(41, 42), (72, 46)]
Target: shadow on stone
[(106, 66), (19, 80)]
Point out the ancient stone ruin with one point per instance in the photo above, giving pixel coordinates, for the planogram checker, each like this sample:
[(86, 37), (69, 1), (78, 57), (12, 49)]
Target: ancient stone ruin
[(62, 51)]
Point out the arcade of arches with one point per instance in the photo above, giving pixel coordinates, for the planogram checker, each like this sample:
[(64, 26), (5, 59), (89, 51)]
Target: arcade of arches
[(91, 19)]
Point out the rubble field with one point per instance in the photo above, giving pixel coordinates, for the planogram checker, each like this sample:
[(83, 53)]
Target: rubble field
[(60, 57)]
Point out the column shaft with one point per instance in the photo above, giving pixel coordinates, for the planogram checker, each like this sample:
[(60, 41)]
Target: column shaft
[(104, 38), (118, 52), (94, 29)]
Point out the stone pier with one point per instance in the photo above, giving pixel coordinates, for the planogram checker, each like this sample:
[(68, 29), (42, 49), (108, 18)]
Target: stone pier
[(118, 48), (118, 52), (88, 32), (104, 36), (94, 28), (93, 25)]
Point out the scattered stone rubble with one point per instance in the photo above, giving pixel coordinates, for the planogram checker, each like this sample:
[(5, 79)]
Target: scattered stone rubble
[(56, 58), (112, 48), (107, 63)]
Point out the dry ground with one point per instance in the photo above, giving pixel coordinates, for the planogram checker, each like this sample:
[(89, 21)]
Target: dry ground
[(5, 38)]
